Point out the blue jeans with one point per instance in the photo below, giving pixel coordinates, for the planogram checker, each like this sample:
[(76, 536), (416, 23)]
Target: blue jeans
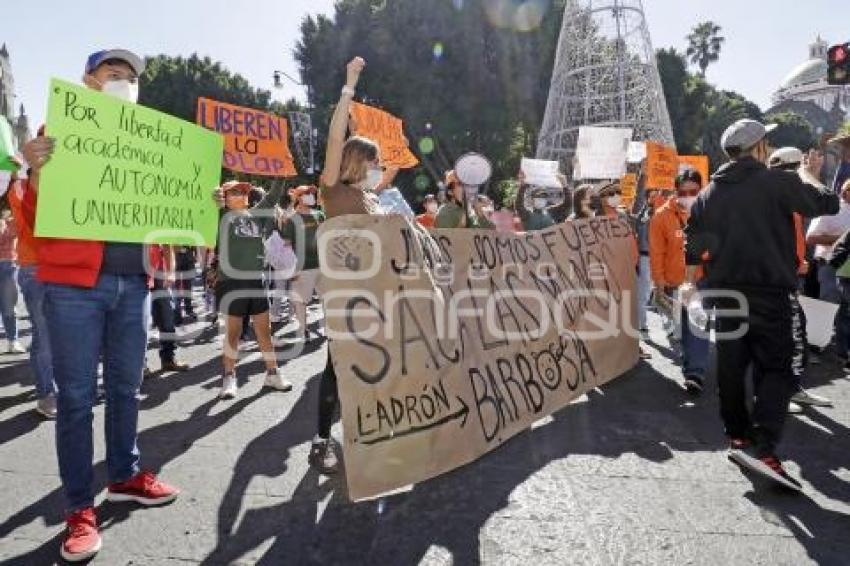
[(40, 359), (695, 348), (9, 298), (110, 319)]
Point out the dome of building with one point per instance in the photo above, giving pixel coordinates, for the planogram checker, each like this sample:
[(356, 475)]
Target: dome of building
[(812, 71)]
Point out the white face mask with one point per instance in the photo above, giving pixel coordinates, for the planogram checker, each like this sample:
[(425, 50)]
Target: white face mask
[(614, 201), (539, 203), (123, 89), (687, 202), (432, 207), (373, 179), (308, 200)]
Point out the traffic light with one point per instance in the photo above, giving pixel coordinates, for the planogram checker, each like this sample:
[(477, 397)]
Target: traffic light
[(838, 59)]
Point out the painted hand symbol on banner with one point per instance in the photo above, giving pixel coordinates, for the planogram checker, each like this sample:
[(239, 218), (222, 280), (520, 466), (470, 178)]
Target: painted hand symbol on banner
[(345, 250)]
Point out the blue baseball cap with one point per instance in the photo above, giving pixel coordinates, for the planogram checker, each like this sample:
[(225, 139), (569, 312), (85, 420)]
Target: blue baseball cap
[(95, 59)]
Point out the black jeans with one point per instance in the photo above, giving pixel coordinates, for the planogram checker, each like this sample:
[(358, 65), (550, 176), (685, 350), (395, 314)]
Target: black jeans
[(162, 311), (772, 321), (328, 398)]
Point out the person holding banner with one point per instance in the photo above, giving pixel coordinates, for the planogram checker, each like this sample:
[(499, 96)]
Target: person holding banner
[(301, 235), (667, 266), (352, 171), (239, 280), (428, 218), (96, 302), (452, 213), (751, 270), (581, 203), (539, 217)]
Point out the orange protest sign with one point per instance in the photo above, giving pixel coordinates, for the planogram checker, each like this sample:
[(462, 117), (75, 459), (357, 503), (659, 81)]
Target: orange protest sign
[(698, 163), (628, 184), (255, 142), (662, 166), (386, 130)]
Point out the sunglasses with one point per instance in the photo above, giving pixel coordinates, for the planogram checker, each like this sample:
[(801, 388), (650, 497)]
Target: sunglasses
[(688, 193)]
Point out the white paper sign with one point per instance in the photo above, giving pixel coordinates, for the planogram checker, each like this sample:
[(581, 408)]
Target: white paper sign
[(636, 152), (820, 320), (601, 152), (540, 172)]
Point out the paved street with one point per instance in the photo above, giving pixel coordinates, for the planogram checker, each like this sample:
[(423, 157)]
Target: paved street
[(632, 474)]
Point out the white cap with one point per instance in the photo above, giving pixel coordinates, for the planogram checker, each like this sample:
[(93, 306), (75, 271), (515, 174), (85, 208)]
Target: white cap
[(785, 156)]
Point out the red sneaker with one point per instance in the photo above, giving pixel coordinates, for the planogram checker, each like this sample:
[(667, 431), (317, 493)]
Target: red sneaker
[(143, 488), (82, 541)]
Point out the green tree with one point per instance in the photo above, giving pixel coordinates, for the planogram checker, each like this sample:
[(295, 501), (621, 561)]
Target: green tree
[(793, 131), (704, 44), (479, 87)]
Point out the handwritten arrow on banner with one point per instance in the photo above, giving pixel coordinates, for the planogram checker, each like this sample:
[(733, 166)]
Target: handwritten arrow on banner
[(462, 412)]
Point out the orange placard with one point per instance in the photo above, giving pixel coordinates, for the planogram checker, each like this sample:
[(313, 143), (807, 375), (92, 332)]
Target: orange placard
[(698, 163), (662, 166), (387, 131), (255, 142), (628, 184)]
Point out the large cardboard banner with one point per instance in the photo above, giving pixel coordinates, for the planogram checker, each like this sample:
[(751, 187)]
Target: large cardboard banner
[(121, 172), (662, 166), (387, 131), (446, 345), (255, 142)]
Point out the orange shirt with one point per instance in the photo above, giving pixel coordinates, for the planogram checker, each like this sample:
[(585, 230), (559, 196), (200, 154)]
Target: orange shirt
[(27, 248), (426, 220), (667, 245)]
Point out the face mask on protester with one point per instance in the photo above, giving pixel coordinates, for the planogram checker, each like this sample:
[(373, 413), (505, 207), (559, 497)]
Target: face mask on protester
[(123, 89), (687, 202), (431, 207), (373, 178), (308, 200), (614, 201), (539, 203)]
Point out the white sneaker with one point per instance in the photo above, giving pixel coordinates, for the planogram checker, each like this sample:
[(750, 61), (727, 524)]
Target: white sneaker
[(228, 386), (794, 408), (46, 406), (804, 397), (15, 347), (277, 381)]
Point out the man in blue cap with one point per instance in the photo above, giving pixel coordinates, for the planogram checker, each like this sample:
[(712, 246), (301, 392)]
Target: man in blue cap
[(741, 229), (96, 303)]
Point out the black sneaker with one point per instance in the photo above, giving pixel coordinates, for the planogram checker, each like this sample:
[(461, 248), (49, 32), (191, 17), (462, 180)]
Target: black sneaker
[(768, 466), (322, 457), (693, 384)]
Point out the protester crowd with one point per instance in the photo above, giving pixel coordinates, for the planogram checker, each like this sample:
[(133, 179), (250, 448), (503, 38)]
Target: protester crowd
[(764, 226)]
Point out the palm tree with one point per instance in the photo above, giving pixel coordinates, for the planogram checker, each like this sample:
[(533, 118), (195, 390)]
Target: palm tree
[(704, 45)]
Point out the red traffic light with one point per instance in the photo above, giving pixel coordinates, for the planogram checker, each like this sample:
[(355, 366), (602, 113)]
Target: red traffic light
[(838, 54)]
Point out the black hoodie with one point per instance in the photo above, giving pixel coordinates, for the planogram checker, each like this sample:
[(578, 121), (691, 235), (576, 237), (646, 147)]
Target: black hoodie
[(741, 227)]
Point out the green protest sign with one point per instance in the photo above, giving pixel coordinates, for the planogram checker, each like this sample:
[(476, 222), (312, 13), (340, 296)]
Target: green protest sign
[(7, 147), (125, 173)]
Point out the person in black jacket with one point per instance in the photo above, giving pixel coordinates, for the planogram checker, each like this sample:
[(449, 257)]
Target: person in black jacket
[(741, 229), (839, 260)]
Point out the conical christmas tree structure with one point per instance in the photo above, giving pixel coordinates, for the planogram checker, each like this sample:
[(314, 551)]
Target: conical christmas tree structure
[(605, 75)]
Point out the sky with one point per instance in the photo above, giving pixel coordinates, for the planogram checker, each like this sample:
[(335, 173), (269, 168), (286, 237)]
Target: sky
[(765, 39)]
